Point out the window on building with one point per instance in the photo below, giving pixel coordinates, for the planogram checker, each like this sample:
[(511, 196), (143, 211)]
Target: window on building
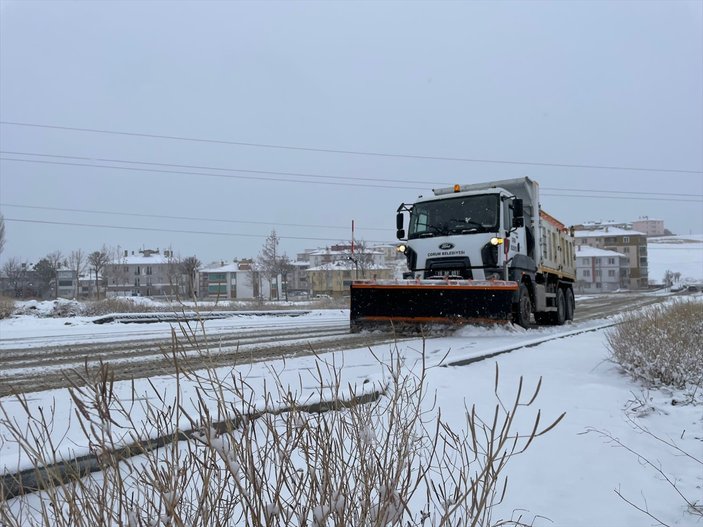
[(598, 285), (148, 270), (586, 272), (643, 261), (625, 239), (585, 261), (611, 272), (611, 261), (626, 250), (597, 272), (137, 270)]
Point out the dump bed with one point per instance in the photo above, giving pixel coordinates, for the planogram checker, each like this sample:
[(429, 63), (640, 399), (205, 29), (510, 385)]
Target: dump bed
[(556, 248)]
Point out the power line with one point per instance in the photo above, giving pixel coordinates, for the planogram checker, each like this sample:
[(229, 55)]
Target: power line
[(619, 192), (621, 198), (346, 152), (187, 218), (333, 183), (302, 174), (197, 167), (178, 231), (205, 174)]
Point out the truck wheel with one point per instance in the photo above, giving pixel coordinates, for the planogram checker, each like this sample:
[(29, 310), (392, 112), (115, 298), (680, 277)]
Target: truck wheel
[(570, 303), (559, 316), (523, 308)]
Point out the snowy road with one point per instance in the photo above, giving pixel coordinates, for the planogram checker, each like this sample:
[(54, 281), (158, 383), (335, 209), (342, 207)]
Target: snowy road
[(575, 374), (40, 354)]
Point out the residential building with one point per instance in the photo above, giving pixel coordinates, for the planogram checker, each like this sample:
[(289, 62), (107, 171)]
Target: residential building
[(600, 270), (147, 273), (26, 283), (361, 257), (237, 280), (631, 244), (67, 283), (649, 226), (331, 269), (297, 281), (646, 225), (334, 278), (218, 281), (600, 225)]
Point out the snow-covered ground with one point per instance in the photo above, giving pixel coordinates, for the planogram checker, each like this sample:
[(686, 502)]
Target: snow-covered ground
[(28, 331), (678, 254), (568, 477)]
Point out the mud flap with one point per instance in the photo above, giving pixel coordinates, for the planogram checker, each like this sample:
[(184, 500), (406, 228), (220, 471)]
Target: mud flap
[(426, 302)]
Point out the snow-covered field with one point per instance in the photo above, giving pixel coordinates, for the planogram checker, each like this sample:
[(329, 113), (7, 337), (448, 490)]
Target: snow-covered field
[(678, 254), (569, 477)]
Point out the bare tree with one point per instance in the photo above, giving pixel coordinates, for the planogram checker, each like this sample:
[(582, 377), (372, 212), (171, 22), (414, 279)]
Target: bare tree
[(173, 272), (77, 263), (189, 267), (15, 272), (98, 260), (362, 256), (2, 233), (56, 260), (668, 278), (271, 262)]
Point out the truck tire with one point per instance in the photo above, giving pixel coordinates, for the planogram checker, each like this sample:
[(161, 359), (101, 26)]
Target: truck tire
[(559, 316), (522, 308), (570, 303)]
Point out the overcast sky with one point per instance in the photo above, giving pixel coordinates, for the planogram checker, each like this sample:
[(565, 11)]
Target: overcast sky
[(456, 92)]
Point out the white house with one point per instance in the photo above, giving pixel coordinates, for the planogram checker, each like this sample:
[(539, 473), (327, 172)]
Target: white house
[(629, 243), (147, 273), (236, 280), (600, 270)]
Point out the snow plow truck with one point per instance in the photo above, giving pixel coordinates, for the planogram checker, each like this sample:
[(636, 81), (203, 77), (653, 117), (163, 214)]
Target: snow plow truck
[(476, 253)]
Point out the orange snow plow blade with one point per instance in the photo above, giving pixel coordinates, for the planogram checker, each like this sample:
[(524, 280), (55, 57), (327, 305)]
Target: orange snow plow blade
[(393, 303)]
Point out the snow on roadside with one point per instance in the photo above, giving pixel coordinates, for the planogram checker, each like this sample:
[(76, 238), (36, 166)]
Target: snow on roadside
[(568, 476)]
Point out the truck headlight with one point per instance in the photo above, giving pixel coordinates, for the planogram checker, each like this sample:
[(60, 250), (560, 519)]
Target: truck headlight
[(496, 241), (401, 248)]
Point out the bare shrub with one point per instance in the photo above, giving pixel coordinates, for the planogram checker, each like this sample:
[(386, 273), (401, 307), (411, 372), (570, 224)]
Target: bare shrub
[(219, 454), (7, 307), (661, 345), (116, 305), (692, 505)]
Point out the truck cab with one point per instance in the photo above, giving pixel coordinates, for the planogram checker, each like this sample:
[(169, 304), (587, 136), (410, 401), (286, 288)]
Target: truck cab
[(468, 234)]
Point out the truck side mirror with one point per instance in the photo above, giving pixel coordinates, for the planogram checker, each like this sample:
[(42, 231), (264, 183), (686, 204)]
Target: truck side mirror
[(518, 214), (400, 232)]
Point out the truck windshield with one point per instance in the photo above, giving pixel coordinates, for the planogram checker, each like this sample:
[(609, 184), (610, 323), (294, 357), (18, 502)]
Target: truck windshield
[(461, 215)]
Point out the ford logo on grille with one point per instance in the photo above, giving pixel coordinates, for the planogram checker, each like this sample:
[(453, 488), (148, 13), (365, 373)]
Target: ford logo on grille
[(446, 246)]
